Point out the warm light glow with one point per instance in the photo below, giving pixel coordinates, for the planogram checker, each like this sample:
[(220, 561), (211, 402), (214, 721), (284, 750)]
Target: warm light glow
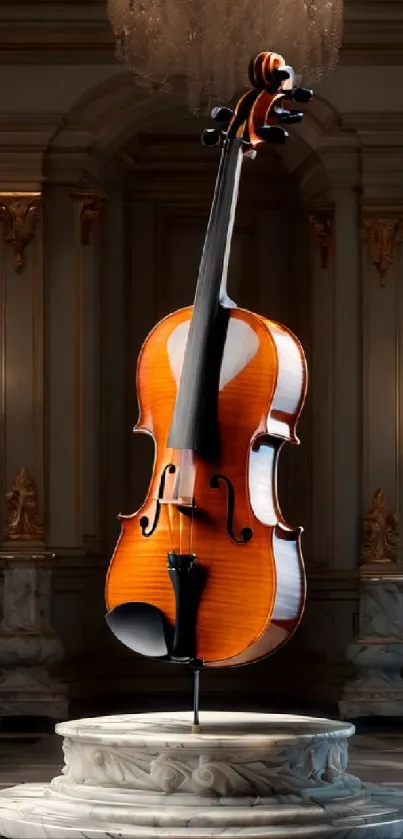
[(210, 42)]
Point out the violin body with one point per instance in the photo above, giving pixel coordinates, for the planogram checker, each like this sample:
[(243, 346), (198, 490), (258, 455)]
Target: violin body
[(207, 572), (244, 582)]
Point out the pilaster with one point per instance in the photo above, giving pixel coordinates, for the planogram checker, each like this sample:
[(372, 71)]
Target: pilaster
[(22, 342), (75, 220), (336, 362), (382, 228)]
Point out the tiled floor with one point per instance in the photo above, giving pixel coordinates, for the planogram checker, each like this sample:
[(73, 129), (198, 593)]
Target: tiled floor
[(26, 761), (378, 758)]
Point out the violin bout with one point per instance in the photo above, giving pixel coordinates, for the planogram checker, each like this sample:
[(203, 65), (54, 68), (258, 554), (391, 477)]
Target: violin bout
[(214, 576)]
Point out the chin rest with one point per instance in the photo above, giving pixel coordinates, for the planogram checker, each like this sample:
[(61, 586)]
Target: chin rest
[(143, 628)]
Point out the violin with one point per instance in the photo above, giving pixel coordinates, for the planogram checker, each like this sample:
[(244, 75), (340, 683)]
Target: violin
[(207, 572)]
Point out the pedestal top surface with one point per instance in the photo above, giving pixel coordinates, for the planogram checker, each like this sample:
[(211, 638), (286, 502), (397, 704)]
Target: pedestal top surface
[(223, 729)]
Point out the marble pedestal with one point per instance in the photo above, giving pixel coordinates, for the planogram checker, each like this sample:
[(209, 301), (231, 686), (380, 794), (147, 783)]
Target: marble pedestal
[(377, 654), (28, 644), (249, 775)]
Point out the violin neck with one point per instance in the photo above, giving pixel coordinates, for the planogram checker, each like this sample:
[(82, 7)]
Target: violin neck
[(195, 421), (212, 280)]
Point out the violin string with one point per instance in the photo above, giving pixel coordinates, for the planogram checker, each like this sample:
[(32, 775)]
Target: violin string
[(191, 528), (169, 517), (179, 492)]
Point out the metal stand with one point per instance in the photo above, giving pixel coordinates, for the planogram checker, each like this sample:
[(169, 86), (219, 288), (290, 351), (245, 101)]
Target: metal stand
[(196, 702)]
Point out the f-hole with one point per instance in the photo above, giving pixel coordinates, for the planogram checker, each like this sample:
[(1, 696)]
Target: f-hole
[(246, 532), (144, 521)]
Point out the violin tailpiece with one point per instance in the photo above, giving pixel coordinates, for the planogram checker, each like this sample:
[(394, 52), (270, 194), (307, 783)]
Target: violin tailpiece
[(188, 578)]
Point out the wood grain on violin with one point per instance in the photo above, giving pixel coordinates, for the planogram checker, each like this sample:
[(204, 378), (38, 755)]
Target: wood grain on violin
[(207, 572)]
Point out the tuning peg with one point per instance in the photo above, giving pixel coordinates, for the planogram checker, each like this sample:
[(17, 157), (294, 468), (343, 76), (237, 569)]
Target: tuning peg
[(272, 134), (222, 114), (288, 117), (281, 74), (301, 94), (211, 137)]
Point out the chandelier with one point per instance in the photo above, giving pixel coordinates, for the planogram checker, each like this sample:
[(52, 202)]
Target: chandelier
[(209, 42)]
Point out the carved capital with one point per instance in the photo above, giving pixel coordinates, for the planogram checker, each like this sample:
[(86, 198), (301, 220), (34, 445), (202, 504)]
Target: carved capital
[(321, 224), (92, 205), (22, 521), (380, 235), (379, 533), (19, 213)]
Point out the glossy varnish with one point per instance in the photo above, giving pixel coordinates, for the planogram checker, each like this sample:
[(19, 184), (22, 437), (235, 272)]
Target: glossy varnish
[(239, 595)]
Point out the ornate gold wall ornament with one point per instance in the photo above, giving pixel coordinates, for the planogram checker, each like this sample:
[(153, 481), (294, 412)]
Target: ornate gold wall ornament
[(321, 223), (19, 212), (22, 522), (379, 532), (92, 205), (380, 235)]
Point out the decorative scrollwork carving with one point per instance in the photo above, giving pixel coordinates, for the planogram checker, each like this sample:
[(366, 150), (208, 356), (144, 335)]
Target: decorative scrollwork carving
[(379, 532), (19, 213), (380, 235), (321, 223), (92, 206), (22, 523), (282, 771)]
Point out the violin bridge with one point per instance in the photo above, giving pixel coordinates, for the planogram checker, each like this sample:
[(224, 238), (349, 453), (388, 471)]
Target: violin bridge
[(182, 501)]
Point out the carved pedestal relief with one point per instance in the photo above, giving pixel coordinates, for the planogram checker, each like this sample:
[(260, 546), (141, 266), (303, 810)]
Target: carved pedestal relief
[(380, 234), (377, 653), (321, 224), (19, 213), (22, 521), (28, 644)]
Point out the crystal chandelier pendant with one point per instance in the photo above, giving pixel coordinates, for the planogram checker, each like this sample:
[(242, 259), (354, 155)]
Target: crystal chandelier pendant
[(209, 42)]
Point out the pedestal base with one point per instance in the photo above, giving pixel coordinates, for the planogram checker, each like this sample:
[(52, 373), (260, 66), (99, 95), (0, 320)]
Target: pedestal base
[(377, 689), (250, 775), (33, 692), (28, 644)]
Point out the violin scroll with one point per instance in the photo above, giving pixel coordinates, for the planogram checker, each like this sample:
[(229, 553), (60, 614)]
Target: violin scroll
[(259, 115)]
